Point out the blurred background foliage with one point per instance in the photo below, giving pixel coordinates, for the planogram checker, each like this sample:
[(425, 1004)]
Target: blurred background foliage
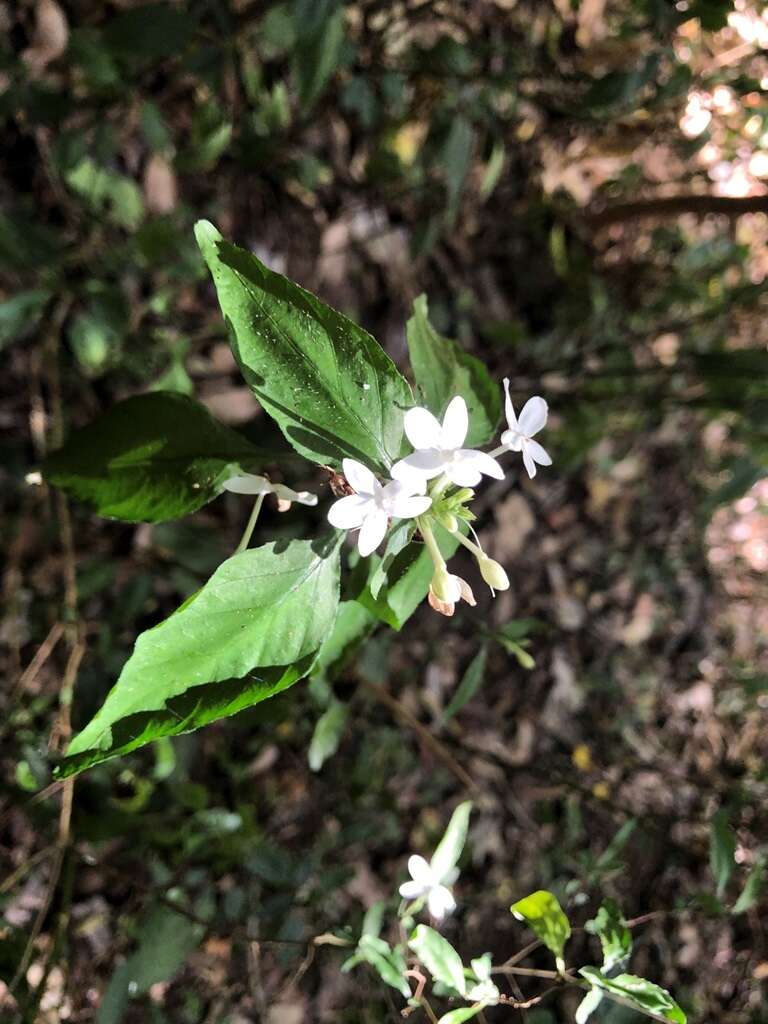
[(580, 189)]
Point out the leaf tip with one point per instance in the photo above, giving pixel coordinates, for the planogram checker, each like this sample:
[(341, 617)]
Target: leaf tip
[(206, 234)]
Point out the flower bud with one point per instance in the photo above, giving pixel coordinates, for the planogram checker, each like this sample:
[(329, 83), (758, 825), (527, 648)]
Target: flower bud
[(493, 573), (463, 496), (446, 587), (448, 520)]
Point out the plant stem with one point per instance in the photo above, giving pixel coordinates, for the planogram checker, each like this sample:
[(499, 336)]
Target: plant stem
[(247, 533), (499, 451), (429, 540)]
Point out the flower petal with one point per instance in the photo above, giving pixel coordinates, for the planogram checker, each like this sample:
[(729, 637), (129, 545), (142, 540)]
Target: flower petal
[(462, 474), (359, 477), (421, 465), (348, 513), (455, 424), (528, 462), (513, 439), (411, 890), (288, 494), (408, 506), (372, 532), (509, 409), (422, 429), (533, 417), (248, 483), (419, 869), (440, 902), (467, 464), (537, 453)]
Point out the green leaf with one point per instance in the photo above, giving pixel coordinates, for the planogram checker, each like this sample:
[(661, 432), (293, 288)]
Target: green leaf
[(439, 957), (722, 847), (461, 1014), (319, 26), (545, 916), (108, 192), (615, 938), (588, 1005), (457, 158), (353, 624), (20, 314), (470, 683), (408, 579), (374, 916), (165, 941), (329, 385), (753, 887), (268, 609), (644, 995), (398, 538), (442, 369), (327, 735), (446, 856), (388, 963), (152, 457)]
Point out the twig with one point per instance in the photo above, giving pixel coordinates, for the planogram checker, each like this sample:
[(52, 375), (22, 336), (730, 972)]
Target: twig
[(22, 869), (430, 741), (673, 206), (42, 655)]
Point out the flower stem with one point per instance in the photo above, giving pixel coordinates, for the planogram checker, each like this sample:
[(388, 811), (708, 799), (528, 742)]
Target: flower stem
[(476, 551), (499, 451), (440, 485), (247, 533), (429, 540)]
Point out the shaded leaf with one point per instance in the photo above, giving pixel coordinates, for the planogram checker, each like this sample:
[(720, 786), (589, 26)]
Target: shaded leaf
[(327, 735), (439, 957), (722, 847), (152, 457), (166, 939), (753, 888), (470, 683), (647, 997), (615, 938), (442, 369)]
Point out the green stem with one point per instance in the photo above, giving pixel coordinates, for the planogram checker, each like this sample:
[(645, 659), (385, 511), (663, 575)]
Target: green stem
[(476, 551), (247, 533), (438, 486), (429, 540)]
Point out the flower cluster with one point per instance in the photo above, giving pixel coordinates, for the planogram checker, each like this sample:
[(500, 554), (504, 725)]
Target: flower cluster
[(434, 484)]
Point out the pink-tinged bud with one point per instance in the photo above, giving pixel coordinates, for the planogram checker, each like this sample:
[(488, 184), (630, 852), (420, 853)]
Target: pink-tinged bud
[(445, 586), (493, 573), (443, 607), (466, 591)]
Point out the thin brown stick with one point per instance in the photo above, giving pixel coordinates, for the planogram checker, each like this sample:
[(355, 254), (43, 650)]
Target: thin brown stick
[(430, 741), (673, 206), (42, 654)]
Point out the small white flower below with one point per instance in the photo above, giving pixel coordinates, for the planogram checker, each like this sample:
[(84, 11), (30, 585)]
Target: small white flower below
[(372, 505), (424, 882), (250, 483), (519, 436), (438, 448)]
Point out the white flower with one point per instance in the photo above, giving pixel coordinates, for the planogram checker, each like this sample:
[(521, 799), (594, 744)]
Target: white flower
[(446, 590), (519, 436), (424, 882), (438, 448), (372, 505), (249, 483)]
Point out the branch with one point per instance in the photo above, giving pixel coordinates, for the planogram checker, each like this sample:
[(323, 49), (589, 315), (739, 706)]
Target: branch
[(673, 206)]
